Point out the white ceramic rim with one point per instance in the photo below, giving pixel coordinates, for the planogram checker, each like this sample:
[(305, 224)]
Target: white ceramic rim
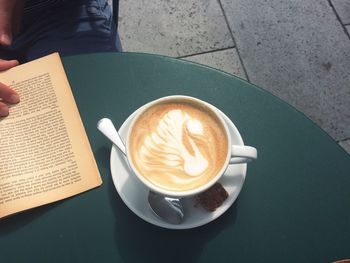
[(192, 192)]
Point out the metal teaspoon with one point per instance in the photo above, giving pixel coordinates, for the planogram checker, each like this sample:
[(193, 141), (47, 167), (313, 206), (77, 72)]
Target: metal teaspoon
[(166, 208)]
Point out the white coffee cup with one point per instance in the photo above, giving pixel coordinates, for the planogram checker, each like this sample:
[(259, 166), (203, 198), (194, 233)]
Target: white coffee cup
[(235, 153)]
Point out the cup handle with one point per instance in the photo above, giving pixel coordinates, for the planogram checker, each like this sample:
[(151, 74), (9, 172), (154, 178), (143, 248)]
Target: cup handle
[(243, 154)]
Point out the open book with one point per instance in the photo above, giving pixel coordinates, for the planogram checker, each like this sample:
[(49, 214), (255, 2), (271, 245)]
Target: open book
[(45, 154)]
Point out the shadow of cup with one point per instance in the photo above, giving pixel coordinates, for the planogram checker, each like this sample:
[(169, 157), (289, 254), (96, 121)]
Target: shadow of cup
[(135, 238)]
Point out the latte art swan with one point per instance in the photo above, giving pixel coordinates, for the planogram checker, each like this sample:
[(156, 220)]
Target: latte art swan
[(178, 146), (165, 146)]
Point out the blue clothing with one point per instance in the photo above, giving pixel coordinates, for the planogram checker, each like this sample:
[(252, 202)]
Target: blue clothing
[(67, 27), (36, 5)]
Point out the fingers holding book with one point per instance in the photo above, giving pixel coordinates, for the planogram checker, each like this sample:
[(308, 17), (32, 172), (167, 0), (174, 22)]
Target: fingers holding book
[(7, 95)]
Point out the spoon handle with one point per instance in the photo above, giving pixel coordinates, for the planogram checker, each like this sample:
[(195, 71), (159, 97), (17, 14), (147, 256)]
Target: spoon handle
[(106, 126)]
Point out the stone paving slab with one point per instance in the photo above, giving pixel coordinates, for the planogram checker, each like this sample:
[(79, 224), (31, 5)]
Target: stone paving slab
[(343, 9), (299, 51), (225, 60), (174, 28), (346, 145)]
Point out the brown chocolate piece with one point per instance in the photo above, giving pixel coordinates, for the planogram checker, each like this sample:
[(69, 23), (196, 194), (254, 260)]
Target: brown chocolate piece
[(213, 197)]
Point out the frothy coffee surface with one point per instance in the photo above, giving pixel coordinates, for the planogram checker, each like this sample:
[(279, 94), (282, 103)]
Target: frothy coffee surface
[(178, 146)]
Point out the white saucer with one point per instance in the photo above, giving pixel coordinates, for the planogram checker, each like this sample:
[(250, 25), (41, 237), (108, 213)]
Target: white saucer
[(134, 193)]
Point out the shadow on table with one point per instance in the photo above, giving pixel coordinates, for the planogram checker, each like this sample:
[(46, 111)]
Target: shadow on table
[(139, 241), (15, 222)]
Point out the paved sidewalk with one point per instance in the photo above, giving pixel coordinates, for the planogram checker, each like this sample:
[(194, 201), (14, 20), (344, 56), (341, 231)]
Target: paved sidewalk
[(298, 50)]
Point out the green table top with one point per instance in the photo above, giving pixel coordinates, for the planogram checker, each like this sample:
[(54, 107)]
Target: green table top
[(294, 205)]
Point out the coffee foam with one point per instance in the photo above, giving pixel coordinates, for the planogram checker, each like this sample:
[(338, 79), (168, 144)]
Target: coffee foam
[(178, 146)]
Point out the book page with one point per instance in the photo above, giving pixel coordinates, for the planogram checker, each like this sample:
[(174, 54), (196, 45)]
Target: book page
[(45, 154)]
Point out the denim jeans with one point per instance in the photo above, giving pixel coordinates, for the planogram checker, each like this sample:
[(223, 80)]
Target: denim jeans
[(75, 27)]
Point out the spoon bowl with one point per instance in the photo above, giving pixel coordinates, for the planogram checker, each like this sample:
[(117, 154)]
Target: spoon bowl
[(167, 208)]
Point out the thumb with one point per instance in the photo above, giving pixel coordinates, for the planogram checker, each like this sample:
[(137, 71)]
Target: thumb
[(6, 12), (7, 94)]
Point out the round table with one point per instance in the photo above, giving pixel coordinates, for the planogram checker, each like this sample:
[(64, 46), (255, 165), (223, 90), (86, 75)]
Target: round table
[(294, 205)]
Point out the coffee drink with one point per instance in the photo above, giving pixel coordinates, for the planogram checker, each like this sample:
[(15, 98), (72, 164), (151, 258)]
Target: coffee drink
[(178, 145)]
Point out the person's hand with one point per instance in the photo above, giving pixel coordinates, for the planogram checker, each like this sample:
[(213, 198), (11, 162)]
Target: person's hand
[(7, 95), (10, 16)]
